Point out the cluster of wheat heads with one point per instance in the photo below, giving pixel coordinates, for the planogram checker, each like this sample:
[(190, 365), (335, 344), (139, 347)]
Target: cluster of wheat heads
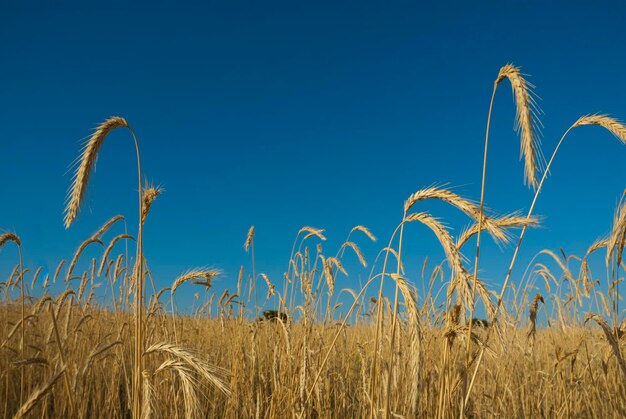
[(90, 339)]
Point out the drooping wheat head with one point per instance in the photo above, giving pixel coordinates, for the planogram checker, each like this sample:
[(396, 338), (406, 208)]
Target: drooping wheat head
[(504, 222), (526, 120), (465, 205), (206, 275), (613, 125), (85, 164), (532, 317), (9, 237)]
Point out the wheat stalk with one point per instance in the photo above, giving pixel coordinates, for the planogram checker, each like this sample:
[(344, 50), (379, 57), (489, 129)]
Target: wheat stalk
[(80, 180), (38, 395), (4, 239), (612, 125), (415, 336), (526, 108)]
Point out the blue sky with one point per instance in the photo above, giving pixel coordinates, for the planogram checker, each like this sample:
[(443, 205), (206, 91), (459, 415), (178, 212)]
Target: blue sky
[(285, 114)]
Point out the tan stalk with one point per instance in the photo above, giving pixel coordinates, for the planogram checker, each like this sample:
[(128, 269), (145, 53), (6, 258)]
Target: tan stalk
[(76, 194), (524, 124), (399, 273), (614, 127), (6, 238)]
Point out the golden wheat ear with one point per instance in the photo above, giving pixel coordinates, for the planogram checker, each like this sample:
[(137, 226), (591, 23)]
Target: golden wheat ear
[(612, 125), (526, 120), (617, 238), (84, 164), (150, 193), (9, 237), (249, 239)]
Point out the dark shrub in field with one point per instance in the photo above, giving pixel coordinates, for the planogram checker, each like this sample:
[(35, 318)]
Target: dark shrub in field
[(273, 315)]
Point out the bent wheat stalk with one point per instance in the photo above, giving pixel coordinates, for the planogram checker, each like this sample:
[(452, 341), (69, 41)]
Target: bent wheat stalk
[(524, 124), (76, 194), (38, 395), (614, 127)]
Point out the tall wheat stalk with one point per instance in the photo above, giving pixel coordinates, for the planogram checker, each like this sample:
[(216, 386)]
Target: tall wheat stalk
[(398, 281), (76, 193), (613, 126), (618, 130), (524, 124), (380, 314), (249, 246)]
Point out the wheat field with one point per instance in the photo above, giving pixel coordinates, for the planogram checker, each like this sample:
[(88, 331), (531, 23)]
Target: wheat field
[(97, 338)]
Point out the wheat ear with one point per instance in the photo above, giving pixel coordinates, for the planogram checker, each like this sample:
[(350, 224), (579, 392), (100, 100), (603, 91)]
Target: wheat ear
[(85, 163), (150, 193), (526, 107)]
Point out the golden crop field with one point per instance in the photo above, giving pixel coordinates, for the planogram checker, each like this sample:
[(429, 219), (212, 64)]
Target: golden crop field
[(113, 345)]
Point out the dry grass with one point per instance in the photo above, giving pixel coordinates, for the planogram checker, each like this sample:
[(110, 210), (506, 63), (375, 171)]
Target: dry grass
[(340, 349), (593, 382)]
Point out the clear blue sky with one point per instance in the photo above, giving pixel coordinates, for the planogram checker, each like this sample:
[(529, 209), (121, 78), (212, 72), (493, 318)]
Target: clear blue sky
[(286, 114)]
